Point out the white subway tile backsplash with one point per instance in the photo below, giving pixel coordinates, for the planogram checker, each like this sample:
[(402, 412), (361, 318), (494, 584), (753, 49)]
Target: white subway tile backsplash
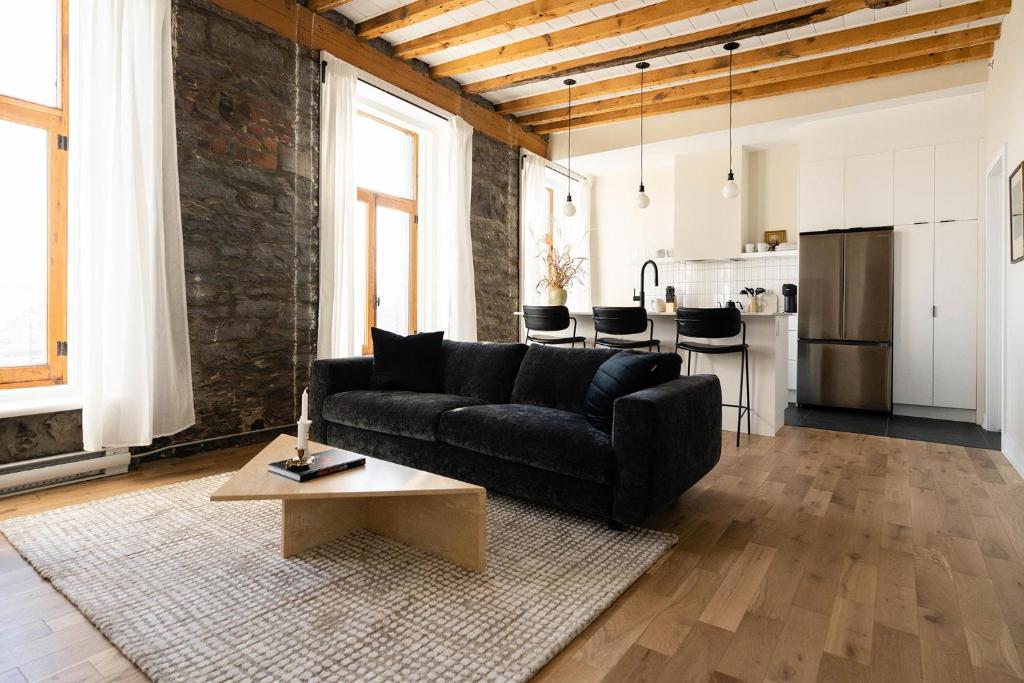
[(706, 284)]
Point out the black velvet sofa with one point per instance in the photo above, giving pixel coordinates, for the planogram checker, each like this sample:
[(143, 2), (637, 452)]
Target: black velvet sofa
[(511, 419)]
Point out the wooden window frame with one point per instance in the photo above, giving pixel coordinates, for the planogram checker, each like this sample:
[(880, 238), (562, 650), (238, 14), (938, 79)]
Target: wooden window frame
[(374, 199), (54, 120)]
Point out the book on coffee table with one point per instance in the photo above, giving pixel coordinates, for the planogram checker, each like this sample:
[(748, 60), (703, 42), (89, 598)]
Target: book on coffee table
[(324, 463)]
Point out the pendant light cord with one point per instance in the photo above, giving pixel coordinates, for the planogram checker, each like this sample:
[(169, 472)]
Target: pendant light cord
[(642, 127), (730, 112), (569, 192)]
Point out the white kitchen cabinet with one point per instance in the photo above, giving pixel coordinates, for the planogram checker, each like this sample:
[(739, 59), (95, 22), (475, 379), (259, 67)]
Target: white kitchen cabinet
[(914, 185), (956, 181), (868, 190), (822, 190), (956, 312), (913, 334)]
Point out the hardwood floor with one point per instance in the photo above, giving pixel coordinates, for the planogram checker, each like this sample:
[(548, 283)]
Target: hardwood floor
[(811, 556)]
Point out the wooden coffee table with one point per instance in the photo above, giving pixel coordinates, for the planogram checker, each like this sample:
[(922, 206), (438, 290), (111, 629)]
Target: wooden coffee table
[(442, 516)]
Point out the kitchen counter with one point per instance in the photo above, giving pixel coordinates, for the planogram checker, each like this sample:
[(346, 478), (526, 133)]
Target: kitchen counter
[(768, 342)]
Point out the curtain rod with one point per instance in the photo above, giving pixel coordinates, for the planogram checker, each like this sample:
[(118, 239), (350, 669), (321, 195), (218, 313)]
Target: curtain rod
[(402, 99), (551, 165)]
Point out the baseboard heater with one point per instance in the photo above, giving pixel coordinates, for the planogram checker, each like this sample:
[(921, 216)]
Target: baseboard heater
[(56, 470)]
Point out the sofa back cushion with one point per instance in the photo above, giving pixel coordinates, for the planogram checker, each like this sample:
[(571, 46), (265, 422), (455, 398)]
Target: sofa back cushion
[(484, 371), (556, 377)]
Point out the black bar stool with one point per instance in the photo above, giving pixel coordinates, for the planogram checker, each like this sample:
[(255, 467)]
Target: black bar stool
[(623, 320), (550, 319), (717, 323)]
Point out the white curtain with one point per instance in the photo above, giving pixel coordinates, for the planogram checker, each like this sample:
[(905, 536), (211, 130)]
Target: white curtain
[(575, 232), (534, 210), (340, 330), (446, 282), (462, 286), (124, 208)]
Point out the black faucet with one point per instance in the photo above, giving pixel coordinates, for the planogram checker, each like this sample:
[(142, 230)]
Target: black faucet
[(643, 270)]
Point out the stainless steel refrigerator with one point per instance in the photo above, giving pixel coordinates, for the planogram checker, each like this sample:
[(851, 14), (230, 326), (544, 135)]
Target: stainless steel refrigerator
[(844, 355)]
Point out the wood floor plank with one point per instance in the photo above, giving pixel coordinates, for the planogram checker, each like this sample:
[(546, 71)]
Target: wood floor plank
[(799, 649), (850, 630), (988, 637), (730, 601), (895, 656), (750, 651)]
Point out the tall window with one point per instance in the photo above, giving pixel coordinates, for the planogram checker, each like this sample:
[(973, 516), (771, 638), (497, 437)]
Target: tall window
[(33, 192), (387, 158)]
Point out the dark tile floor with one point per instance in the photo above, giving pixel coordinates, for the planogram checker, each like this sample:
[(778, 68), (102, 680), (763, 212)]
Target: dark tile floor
[(896, 426)]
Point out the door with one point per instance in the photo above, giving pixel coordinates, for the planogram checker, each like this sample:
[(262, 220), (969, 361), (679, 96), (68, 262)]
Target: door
[(386, 229), (913, 322), (820, 292), (956, 314), (845, 375), (868, 190), (914, 185), (956, 181), (867, 290)]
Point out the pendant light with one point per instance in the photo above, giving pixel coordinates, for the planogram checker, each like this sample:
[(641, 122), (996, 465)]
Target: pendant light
[(730, 190), (642, 200), (569, 209)]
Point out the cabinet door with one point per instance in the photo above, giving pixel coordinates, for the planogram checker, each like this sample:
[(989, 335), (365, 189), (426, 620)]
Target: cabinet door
[(914, 185), (821, 195), (868, 191), (956, 181), (956, 314), (914, 259)]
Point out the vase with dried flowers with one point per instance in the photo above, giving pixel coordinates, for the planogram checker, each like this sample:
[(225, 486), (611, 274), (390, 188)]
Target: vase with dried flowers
[(563, 270)]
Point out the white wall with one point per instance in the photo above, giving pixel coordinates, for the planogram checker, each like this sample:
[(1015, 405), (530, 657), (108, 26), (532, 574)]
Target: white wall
[(770, 190), (707, 225), (622, 235), (1004, 122)]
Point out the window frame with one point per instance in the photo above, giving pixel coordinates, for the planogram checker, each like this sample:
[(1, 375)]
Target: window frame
[(374, 199), (54, 120)]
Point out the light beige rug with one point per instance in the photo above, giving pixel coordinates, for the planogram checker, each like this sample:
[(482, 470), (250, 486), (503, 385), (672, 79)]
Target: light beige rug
[(192, 590)]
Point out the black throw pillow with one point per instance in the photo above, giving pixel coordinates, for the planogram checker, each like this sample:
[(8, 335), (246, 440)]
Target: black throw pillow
[(410, 363), (624, 373)]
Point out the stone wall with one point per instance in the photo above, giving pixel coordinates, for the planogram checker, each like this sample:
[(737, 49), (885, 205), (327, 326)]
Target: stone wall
[(494, 221), (247, 107)]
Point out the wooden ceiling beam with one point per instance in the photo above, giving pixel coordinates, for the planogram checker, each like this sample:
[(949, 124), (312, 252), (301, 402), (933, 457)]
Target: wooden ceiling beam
[(407, 15), (493, 24), (295, 22), (638, 19), (791, 71), (740, 30), (321, 6), (803, 47), (901, 66)]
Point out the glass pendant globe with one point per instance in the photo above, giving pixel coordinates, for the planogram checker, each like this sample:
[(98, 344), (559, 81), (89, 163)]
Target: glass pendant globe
[(642, 200), (730, 190), (569, 209)]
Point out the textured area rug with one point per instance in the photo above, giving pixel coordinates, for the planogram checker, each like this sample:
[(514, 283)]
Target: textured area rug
[(194, 590)]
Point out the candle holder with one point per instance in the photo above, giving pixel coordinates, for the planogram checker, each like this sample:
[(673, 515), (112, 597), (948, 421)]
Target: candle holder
[(301, 461)]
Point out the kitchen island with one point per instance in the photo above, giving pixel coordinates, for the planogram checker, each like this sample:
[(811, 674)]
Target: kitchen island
[(768, 340)]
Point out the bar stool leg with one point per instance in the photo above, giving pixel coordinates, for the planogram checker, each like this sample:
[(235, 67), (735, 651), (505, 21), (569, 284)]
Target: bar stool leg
[(688, 354), (746, 361), (739, 405)]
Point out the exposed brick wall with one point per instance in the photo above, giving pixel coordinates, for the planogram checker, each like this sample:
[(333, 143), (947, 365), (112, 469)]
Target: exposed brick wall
[(247, 107)]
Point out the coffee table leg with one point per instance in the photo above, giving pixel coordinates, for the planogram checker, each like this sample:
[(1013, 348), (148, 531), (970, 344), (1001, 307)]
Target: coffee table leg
[(309, 523), (451, 526)]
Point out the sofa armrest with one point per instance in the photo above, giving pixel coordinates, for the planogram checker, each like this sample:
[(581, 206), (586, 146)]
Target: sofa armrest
[(665, 439), (334, 375)]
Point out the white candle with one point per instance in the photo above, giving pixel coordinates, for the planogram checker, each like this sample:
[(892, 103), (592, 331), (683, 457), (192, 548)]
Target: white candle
[(305, 405), (303, 443)]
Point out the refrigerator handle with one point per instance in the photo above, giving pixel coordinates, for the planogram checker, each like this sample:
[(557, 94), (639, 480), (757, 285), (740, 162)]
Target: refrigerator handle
[(933, 312)]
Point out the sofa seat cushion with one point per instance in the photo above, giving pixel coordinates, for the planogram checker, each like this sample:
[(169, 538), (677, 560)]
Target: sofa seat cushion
[(400, 413), (547, 439)]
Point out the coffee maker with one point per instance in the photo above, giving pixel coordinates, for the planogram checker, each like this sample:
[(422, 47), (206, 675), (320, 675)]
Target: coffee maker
[(789, 298)]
